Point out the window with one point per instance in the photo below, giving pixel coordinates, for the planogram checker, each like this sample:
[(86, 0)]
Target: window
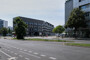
[(85, 6), (87, 14), (81, 0)]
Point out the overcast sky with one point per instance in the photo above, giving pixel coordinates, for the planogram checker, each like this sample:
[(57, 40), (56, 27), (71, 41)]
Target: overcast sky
[(48, 10)]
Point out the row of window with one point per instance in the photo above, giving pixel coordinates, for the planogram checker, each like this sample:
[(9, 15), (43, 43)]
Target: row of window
[(81, 0), (85, 6), (87, 14), (32, 23)]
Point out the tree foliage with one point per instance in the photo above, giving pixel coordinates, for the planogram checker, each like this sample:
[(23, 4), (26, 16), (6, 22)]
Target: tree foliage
[(20, 28), (58, 29), (4, 31), (76, 19), (9, 31)]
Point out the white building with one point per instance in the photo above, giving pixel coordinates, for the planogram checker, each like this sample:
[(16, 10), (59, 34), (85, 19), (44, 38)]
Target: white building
[(3, 23), (83, 4)]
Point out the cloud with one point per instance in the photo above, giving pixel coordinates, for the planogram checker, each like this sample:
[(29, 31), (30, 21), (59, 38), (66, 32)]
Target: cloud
[(41, 9)]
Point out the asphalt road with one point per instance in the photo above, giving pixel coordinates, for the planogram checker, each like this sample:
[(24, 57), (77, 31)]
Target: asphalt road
[(37, 50)]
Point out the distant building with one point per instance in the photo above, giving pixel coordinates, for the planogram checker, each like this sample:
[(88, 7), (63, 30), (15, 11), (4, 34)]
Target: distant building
[(37, 27), (11, 28), (82, 4), (3, 23)]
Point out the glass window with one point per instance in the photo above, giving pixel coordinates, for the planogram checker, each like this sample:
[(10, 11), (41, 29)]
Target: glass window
[(87, 14), (81, 0), (85, 6)]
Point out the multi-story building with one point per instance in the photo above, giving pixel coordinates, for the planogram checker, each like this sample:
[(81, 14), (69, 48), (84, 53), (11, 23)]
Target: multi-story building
[(83, 4), (3, 24), (37, 27)]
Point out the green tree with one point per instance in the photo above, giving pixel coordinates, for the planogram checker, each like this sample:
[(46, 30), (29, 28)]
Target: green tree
[(20, 28), (76, 19), (4, 31), (9, 31), (59, 29)]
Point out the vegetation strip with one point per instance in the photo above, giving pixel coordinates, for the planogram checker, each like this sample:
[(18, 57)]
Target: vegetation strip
[(78, 44), (36, 39)]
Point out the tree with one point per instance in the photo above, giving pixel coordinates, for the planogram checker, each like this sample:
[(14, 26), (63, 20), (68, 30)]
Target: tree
[(76, 19), (58, 29), (20, 28), (9, 31), (4, 31)]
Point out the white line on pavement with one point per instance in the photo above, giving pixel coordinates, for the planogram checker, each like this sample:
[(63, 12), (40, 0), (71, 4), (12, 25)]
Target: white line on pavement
[(15, 53), (6, 54), (36, 53), (20, 56), (43, 55), (30, 51), (25, 50), (27, 58), (30, 54), (52, 58)]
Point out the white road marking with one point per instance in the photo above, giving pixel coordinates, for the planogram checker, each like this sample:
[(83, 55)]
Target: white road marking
[(52, 58), (36, 53), (27, 58), (20, 49), (30, 54), (20, 56), (25, 50), (15, 53), (12, 58), (43, 55), (6, 54), (30, 51)]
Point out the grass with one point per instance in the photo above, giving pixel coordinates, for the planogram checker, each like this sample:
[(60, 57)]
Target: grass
[(78, 44), (37, 39)]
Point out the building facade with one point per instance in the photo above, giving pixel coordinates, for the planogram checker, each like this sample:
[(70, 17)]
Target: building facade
[(83, 4), (3, 23), (37, 27)]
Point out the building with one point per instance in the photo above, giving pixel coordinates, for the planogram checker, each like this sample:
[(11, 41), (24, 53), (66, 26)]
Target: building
[(83, 4), (37, 27), (68, 9), (3, 23), (11, 28)]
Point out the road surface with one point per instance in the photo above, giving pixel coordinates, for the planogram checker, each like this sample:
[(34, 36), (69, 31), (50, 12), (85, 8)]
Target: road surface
[(40, 50)]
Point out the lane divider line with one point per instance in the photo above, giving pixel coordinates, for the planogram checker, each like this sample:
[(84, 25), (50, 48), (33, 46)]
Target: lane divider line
[(30, 54), (5, 54)]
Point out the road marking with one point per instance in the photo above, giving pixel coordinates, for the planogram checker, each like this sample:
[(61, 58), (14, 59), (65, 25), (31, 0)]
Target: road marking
[(43, 55), (12, 58), (52, 58), (20, 56), (25, 50), (36, 53), (27, 58), (20, 49), (15, 53), (30, 51), (17, 48), (30, 54), (6, 54)]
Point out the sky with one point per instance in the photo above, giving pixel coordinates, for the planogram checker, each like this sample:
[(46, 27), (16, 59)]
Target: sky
[(51, 11)]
